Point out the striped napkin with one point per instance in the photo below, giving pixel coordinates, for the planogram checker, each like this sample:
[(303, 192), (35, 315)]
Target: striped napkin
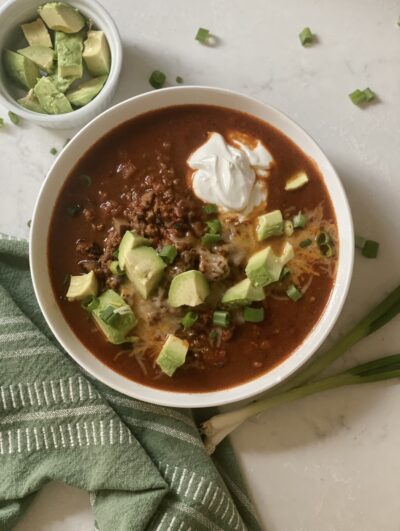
[(144, 465)]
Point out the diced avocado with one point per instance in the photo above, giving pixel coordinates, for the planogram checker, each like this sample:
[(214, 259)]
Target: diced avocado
[(296, 181), (265, 267), (172, 355), (144, 269), (40, 55), (188, 289), (62, 84), (69, 54), (20, 68), (36, 33), (243, 293), (129, 241), (31, 102), (114, 317), (270, 224), (61, 17), (96, 53), (82, 286), (50, 99), (85, 92)]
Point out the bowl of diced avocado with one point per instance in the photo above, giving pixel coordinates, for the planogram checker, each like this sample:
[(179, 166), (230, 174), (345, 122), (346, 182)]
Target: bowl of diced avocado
[(60, 62)]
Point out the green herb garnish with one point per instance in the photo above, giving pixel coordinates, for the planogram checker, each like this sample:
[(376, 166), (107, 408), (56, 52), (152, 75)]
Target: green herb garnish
[(299, 221), (214, 226), (306, 37), (202, 35), (305, 243), (53, 151), (253, 315), (179, 79), (14, 118), (157, 79), (211, 239), (293, 293), (29, 223), (115, 269), (168, 253), (221, 318), (359, 97), (189, 319), (210, 208)]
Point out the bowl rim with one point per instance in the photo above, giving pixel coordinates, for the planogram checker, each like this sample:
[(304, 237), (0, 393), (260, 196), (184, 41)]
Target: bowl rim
[(67, 120), (242, 391)]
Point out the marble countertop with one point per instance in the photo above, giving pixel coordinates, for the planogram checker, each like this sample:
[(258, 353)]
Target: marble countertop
[(329, 462)]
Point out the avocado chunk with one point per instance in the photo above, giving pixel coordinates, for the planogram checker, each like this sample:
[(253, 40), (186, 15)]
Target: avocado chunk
[(96, 53), (36, 33), (129, 241), (82, 286), (86, 91), (41, 56), (296, 181), (188, 289), (172, 355), (114, 317), (31, 102), (62, 84), (50, 99), (20, 68), (265, 267), (61, 17), (69, 54), (270, 224), (144, 268), (242, 294)]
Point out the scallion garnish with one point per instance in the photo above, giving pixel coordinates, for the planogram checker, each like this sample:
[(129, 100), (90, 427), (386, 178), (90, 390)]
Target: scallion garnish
[(370, 249), (87, 180), (109, 315), (210, 239), (299, 221), (179, 79), (210, 208), (214, 226), (73, 210), (1, 122), (325, 244), (358, 97), (202, 35), (90, 304), (67, 141), (305, 243), (253, 315), (14, 118), (221, 318), (29, 223), (323, 238), (285, 273), (359, 241), (189, 319), (293, 293), (306, 36), (168, 253), (53, 151), (157, 79), (115, 269), (327, 250)]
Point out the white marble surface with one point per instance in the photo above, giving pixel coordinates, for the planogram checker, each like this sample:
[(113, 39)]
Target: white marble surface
[(331, 462)]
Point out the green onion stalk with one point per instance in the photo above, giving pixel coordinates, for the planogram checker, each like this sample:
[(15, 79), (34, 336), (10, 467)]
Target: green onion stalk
[(304, 384)]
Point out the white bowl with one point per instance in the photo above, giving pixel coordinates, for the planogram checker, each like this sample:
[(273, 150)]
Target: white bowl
[(15, 12), (78, 147)]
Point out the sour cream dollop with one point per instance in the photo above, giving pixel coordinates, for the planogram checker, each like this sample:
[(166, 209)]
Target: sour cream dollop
[(228, 175)]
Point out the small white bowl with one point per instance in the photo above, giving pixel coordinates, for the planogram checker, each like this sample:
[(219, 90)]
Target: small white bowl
[(89, 136), (14, 13)]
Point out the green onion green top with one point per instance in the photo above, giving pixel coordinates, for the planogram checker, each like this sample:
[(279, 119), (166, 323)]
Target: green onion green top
[(253, 315), (179, 79), (157, 79), (221, 318), (360, 241), (115, 269), (293, 293), (202, 35), (214, 226), (306, 36), (210, 239), (53, 151), (210, 208), (305, 243), (189, 319), (359, 97), (299, 221), (14, 118), (168, 253), (370, 249)]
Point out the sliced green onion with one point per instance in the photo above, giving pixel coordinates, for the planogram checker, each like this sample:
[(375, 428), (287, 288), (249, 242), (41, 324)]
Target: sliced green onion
[(179, 79), (73, 210), (323, 238), (202, 35), (293, 293), (358, 97), (213, 336), (87, 180), (253, 315), (306, 36), (67, 141), (189, 319), (299, 221), (115, 269), (305, 243), (210, 208), (1, 122), (370, 249), (15, 119), (327, 250), (90, 304), (157, 79), (285, 273), (29, 223), (210, 239), (168, 253), (109, 316), (360, 241), (214, 226), (369, 95), (221, 318), (53, 151)]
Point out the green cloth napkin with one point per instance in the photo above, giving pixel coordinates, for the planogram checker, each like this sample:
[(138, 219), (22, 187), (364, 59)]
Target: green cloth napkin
[(144, 465)]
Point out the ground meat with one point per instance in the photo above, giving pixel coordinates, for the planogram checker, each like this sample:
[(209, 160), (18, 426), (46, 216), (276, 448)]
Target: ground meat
[(88, 250), (214, 265)]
